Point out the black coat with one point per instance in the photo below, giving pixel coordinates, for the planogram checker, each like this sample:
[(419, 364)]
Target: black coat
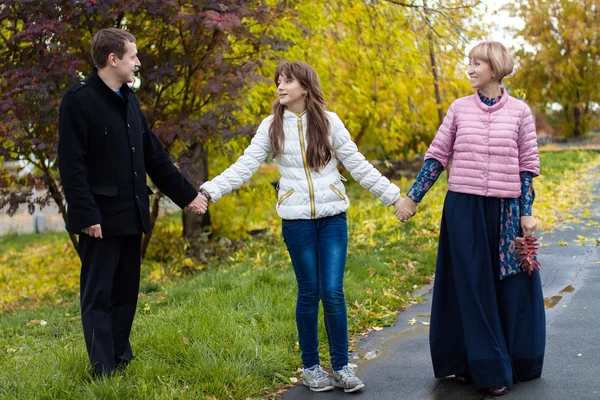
[(105, 150)]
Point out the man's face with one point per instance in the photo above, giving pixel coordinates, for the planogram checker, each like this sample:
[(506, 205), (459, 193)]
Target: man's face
[(125, 67)]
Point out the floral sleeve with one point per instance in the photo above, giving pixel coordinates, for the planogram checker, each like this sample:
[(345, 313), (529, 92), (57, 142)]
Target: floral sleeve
[(527, 193), (430, 172)]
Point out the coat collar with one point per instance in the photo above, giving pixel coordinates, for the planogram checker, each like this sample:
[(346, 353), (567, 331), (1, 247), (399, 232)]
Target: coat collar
[(96, 81), (495, 107), (292, 115)]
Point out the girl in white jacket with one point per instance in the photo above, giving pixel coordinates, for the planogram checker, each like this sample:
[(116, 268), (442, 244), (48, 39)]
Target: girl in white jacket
[(307, 141)]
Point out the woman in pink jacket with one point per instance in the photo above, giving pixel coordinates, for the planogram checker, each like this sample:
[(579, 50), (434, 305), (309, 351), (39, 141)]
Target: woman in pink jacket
[(487, 318)]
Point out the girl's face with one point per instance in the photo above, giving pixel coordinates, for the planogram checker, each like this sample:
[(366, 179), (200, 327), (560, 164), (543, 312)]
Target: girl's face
[(289, 92), (481, 74)]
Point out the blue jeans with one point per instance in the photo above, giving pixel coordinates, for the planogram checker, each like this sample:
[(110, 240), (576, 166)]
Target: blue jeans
[(318, 252)]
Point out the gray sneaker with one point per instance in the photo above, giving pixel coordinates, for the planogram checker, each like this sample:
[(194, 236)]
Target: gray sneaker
[(345, 378), (317, 379)]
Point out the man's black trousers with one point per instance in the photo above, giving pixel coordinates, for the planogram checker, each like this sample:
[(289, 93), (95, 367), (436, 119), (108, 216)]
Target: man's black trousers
[(110, 280)]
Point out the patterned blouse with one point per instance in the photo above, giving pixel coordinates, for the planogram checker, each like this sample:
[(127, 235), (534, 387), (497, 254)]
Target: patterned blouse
[(511, 210)]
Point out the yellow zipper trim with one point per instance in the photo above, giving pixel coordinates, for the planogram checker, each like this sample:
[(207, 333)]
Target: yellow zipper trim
[(337, 191), (285, 196), (310, 184)]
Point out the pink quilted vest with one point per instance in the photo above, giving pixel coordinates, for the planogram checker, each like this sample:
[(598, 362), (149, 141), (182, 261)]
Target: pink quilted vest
[(488, 145)]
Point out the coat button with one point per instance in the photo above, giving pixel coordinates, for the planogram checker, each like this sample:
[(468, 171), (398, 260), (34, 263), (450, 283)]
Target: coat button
[(137, 197), (133, 149), (129, 126), (135, 173)]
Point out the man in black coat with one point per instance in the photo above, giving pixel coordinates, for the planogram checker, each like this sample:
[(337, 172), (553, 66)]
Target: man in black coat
[(105, 150)]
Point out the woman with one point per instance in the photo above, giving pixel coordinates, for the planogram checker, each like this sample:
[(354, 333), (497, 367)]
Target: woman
[(306, 141), (487, 317)]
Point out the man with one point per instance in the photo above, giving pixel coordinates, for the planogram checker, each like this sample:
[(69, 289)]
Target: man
[(105, 150)]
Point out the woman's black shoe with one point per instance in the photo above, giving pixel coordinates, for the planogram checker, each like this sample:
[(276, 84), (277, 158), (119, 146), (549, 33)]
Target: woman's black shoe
[(498, 391), (463, 379)]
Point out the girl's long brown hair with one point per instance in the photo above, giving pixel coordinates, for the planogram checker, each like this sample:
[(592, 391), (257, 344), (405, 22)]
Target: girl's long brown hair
[(319, 150)]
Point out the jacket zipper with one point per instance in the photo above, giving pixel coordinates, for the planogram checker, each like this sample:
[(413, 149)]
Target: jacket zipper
[(285, 196), (310, 184), (336, 191)]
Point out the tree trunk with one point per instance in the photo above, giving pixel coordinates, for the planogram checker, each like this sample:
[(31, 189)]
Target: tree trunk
[(153, 217), (577, 118), (62, 209), (436, 79), (361, 133), (193, 223)]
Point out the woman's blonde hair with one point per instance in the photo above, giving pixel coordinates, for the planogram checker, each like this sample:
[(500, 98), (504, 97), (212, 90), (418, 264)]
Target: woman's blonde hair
[(495, 54)]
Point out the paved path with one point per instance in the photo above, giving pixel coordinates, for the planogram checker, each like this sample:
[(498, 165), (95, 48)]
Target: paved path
[(401, 369)]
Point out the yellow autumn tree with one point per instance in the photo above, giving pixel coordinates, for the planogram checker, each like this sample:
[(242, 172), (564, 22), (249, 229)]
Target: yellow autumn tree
[(560, 66), (379, 62)]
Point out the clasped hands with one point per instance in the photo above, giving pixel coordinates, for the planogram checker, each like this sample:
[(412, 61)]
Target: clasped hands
[(406, 208), (198, 206)]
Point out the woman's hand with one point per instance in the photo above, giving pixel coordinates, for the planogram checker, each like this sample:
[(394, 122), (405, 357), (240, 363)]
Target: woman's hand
[(405, 209), (528, 225)]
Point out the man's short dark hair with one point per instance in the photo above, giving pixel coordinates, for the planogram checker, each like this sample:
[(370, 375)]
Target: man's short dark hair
[(109, 40)]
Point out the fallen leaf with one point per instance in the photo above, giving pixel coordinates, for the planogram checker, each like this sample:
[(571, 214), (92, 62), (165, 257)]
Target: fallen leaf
[(377, 328), (352, 365), (43, 323), (412, 321), (563, 243), (579, 355), (293, 380), (565, 306), (425, 323)]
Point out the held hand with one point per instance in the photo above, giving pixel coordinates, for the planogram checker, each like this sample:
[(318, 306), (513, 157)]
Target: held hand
[(405, 209), (528, 225), (93, 231), (198, 206)]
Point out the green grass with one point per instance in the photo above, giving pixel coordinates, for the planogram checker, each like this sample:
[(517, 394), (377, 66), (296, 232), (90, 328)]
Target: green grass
[(229, 332), (19, 241)]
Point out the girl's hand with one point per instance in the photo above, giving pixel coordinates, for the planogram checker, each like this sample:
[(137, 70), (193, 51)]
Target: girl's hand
[(528, 225), (405, 209)]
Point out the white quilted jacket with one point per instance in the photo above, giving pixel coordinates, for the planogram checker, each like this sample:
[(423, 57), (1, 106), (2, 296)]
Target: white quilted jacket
[(303, 193)]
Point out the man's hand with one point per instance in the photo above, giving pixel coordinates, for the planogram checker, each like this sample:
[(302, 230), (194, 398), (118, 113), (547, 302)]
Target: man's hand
[(405, 209), (528, 225), (93, 231), (198, 206)]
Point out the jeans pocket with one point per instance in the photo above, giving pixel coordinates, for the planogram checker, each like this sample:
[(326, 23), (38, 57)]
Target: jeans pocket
[(341, 216), (289, 222)]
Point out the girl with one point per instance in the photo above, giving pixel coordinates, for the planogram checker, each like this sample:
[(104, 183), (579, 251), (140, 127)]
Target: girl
[(487, 316), (307, 141)]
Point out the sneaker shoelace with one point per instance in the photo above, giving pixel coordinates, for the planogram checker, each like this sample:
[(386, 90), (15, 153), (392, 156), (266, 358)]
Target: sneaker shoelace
[(346, 373), (318, 372)]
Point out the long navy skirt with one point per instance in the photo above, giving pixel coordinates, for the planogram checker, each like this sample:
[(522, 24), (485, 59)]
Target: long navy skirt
[(493, 329)]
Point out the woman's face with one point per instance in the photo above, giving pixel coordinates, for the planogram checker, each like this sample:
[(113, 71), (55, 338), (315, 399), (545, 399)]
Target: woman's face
[(289, 91), (481, 74)]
